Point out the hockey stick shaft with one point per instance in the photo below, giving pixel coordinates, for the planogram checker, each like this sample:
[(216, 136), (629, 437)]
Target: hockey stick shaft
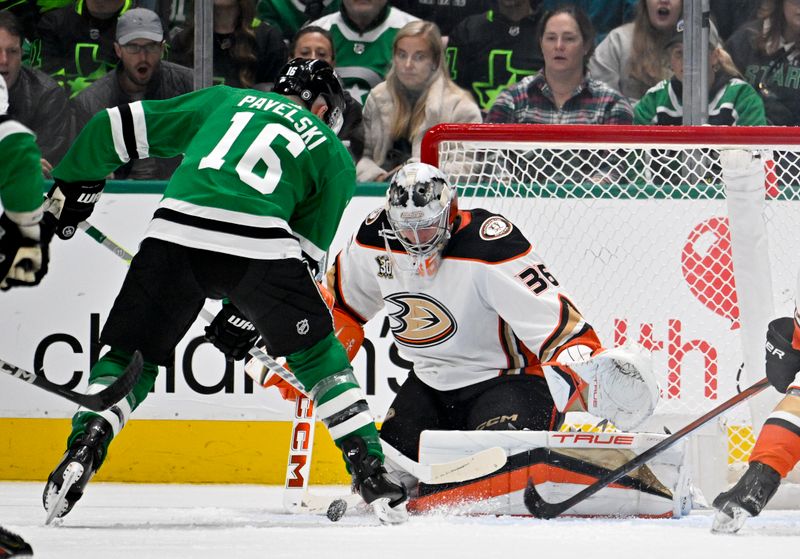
[(540, 508), (476, 465), (99, 401)]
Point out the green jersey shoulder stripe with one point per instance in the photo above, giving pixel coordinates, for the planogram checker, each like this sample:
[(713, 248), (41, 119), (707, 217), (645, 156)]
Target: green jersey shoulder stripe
[(259, 172)]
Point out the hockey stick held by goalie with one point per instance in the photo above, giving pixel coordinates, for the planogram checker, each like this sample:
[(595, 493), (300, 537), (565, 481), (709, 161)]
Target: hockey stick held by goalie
[(540, 508), (98, 401)]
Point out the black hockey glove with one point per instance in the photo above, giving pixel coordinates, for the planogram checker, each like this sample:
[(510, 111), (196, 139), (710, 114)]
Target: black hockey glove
[(24, 254), (71, 203), (783, 361), (231, 333)]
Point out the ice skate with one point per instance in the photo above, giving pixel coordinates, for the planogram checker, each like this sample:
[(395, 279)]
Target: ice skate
[(386, 497), (67, 482), (745, 499)]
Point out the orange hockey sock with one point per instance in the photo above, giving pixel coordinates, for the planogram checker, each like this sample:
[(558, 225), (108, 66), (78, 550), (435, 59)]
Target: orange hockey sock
[(778, 444)]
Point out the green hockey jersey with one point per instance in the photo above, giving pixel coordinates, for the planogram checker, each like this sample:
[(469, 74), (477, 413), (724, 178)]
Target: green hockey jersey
[(261, 177), (20, 168), (363, 58)]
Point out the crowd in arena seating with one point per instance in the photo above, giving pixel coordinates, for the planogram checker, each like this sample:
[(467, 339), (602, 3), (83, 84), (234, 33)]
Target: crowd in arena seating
[(406, 64)]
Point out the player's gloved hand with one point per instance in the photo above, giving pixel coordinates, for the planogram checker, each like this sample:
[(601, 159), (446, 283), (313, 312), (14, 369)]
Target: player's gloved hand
[(783, 361), (71, 203), (24, 254), (231, 333)]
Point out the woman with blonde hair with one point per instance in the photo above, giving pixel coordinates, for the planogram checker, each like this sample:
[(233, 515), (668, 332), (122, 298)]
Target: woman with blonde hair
[(646, 36), (417, 94)]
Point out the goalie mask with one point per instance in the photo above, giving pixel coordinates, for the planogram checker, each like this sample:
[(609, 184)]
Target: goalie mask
[(310, 79), (421, 207)]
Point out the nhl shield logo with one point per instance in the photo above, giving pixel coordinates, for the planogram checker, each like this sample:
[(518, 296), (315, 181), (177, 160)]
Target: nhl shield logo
[(302, 327)]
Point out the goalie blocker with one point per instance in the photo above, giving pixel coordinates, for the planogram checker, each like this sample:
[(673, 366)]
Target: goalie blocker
[(561, 464)]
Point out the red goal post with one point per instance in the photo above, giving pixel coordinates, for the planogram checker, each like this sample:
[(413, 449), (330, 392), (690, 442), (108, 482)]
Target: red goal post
[(654, 246)]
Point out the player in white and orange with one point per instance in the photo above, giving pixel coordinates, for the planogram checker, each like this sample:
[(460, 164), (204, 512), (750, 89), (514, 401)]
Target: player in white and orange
[(777, 448), (495, 341)]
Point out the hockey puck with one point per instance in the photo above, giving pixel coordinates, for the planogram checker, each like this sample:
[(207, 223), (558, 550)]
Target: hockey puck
[(336, 510)]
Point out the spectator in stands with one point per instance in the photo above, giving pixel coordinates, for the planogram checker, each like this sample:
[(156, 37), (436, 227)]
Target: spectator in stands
[(731, 100), (34, 98), (140, 75), (417, 94), (491, 51), (730, 15), (289, 16), (605, 15), (561, 93), (77, 41), (767, 50), (246, 51), (446, 14), (632, 58), (363, 31), (316, 42)]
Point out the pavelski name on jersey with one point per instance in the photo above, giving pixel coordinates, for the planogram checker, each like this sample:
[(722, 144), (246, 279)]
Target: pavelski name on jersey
[(304, 126)]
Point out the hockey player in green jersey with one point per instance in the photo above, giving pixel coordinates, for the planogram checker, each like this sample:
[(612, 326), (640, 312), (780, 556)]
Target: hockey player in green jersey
[(261, 189), (23, 242)]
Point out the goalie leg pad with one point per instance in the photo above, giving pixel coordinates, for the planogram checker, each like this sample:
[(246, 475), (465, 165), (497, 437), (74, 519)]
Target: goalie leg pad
[(622, 387)]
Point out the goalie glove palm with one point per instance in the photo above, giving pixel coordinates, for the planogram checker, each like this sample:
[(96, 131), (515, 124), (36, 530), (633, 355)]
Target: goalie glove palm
[(24, 254), (783, 361), (71, 203), (231, 333), (622, 387)]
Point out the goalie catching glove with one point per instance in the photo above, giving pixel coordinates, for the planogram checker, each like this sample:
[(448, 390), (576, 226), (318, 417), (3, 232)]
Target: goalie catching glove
[(621, 386), (231, 333), (71, 203), (783, 360), (24, 252)]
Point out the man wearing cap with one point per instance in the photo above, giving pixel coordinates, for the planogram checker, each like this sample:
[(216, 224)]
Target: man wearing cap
[(731, 100), (141, 74)]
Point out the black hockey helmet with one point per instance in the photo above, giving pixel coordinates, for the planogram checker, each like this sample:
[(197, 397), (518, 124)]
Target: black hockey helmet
[(309, 79)]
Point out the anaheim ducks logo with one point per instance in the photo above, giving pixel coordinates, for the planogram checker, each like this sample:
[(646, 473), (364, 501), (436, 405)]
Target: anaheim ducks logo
[(420, 321), (495, 227)]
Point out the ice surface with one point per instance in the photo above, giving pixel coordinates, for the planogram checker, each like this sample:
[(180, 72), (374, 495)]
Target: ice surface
[(125, 521)]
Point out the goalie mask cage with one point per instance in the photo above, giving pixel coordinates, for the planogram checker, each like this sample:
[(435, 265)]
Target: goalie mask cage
[(639, 226)]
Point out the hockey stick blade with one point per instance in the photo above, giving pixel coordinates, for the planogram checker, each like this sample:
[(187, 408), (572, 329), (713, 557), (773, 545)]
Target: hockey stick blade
[(476, 465), (99, 401), (540, 508)]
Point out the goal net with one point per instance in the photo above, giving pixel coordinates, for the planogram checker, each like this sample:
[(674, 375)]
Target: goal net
[(639, 226)]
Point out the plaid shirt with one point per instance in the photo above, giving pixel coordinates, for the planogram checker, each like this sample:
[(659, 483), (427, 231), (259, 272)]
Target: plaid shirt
[(531, 101)]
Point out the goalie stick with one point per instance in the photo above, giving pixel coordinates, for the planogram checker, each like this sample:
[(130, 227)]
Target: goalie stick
[(540, 508), (99, 401)]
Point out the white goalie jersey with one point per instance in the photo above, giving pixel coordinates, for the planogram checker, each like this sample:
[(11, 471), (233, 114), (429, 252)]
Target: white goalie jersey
[(492, 308)]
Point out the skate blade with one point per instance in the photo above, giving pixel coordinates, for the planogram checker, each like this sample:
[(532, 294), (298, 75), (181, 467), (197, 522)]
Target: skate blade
[(726, 524), (56, 502), (387, 514)]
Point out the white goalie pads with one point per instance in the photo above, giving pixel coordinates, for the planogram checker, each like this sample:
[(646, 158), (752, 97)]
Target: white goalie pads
[(561, 464), (621, 384)]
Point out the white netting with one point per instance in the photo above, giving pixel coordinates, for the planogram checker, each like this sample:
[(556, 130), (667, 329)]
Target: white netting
[(639, 235)]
